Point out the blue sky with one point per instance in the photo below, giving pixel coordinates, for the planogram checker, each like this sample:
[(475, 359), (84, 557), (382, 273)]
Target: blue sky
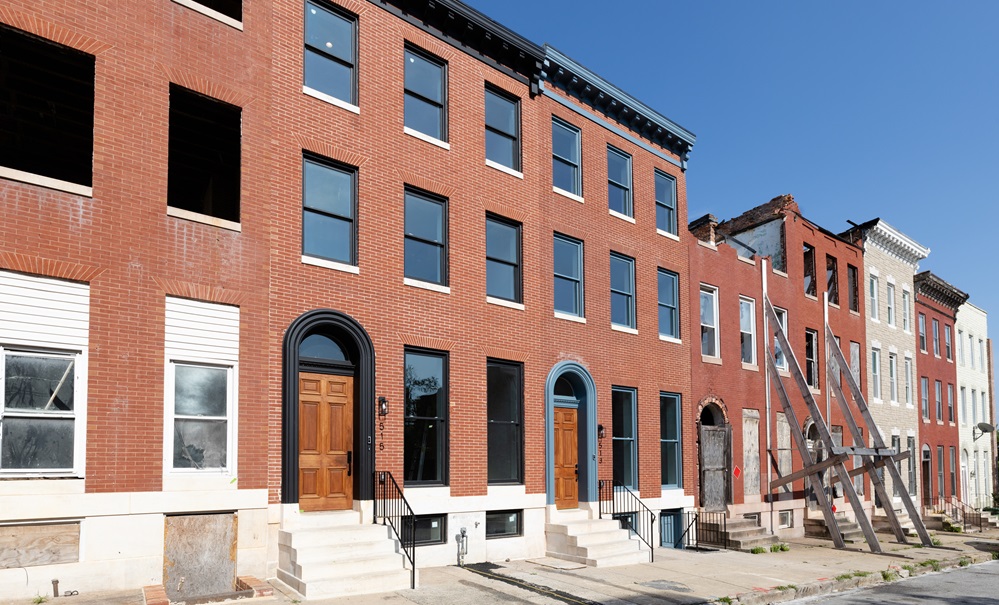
[(858, 109)]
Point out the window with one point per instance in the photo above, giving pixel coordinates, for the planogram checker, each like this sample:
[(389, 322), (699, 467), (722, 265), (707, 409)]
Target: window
[(425, 94), (896, 445), (876, 373), (505, 408), (873, 291), (911, 446), (890, 299), (974, 407), (330, 49), (665, 203), (939, 393), (747, 329), (669, 308), (985, 409), (565, 157), (625, 453), (906, 305), (950, 403), (779, 358), (855, 361), (502, 129), (669, 440), (229, 8), (924, 386), (809, 271), (832, 279), (619, 181), (893, 377), (426, 238), (47, 96), (568, 276), (936, 338), (503, 259), (964, 405), (622, 273), (953, 468), (425, 436), (204, 155), (853, 288), (709, 321), (812, 358), (922, 332), (940, 472), (504, 524), (908, 381), (200, 385), (427, 529), (981, 354), (948, 345), (329, 194), (971, 351), (960, 346)]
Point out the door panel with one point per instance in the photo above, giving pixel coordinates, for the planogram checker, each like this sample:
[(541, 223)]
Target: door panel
[(714, 452), (566, 458), (325, 415)]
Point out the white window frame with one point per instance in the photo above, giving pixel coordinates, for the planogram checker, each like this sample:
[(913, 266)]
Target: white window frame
[(936, 337), (908, 381), (713, 293), (893, 377), (906, 314), (812, 360), (876, 374), (890, 299), (964, 406), (170, 417), (960, 346), (981, 354), (781, 361), (971, 350), (872, 291), (752, 329)]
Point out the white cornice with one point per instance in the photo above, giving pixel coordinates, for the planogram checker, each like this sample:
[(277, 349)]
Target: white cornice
[(894, 242)]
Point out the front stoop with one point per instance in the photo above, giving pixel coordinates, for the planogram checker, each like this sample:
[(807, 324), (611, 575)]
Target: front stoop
[(746, 534), (883, 526), (334, 555), (594, 542), (851, 531)]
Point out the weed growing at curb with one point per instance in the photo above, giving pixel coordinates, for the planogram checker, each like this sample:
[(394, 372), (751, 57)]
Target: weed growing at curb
[(758, 550), (889, 575), (726, 600), (845, 576), (775, 548), (932, 563), (784, 587), (995, 555), (39, 599), (909, 568), (936, 541), (861, 574), (964, 562), (784, 547)]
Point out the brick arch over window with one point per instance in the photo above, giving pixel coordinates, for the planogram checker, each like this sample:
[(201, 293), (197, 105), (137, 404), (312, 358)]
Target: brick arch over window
[(362, 354), (713, 402)]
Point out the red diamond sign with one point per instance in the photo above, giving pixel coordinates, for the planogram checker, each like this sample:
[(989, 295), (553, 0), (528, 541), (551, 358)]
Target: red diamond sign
[(737, 472)]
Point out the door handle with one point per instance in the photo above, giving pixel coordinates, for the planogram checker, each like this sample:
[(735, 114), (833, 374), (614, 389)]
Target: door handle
[(350, 459), (577, 470)]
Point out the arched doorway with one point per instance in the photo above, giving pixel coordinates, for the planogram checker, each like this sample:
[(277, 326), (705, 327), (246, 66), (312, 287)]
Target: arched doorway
[(817, 448), (570, 436), (714, 448), (327, 412), (927, 477)]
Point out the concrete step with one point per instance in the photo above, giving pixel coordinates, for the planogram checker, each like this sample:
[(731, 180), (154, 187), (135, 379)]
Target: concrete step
[(346, 534), (345, 568), (358, 584), (572, 514), (336, 552), (582, 526), (593, 542), (598, 537), (320, 520), (610, 549), (749, 543)]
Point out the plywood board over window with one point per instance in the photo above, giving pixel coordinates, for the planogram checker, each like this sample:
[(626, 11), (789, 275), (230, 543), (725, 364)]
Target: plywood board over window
[(39, 544)]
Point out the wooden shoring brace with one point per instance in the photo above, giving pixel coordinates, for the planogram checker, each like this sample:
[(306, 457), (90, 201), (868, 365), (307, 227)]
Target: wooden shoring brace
[(824, 434), (872, 428), (799, 439)]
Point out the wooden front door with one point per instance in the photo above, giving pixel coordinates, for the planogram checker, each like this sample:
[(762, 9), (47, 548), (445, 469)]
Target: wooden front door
[(325, 442), (715, 451), (566, 459)]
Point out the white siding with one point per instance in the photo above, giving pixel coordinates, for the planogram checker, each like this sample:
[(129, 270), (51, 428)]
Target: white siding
[(200, 331), (43, 312)]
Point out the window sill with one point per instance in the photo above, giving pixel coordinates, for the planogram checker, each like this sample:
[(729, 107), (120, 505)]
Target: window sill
[(950, 361), (624, 329), (426, 137), (567, 317), (504, 169), (315, 94), (213, 480), (500, 302), (811, 297), (197, 217), (779, 272), (666, 338), (892, 326), (833, 305), (564, 193), (814, 391), (876, 400), (623, 217), (894, 403), (784, 372), (875, 320), (711, 359), (852, 312), (330, 264), (752, 367), (204, 10), (671, 236), (39, 485), (44, 181), (748, 261), (425, 285)]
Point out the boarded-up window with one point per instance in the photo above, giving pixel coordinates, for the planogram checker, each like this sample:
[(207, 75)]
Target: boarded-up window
[(784, 447), (837, 438), (751, 451), (40, 544), (199, 555)]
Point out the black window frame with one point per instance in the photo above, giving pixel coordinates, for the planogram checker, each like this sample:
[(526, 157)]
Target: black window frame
[(629, 204), (409, 524), (443, 105), (616, 437), (665, 442), (515, 136), (853, 287), (630, 296), (444, 245), (518, 287), (577, 166), (832, 279), (663, 206), (341, 13), (580, 281), (329, 164), (673, 310), (518, 422), (499, 536), (808, 271), (443, 418)]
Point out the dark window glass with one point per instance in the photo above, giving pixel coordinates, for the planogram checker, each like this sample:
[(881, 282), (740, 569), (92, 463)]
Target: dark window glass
[(619, 181), (426, 238), (747, 330), (669, 440), (563, 388), (230, 8), (568, 275), (46, 108), (503, 524), (665, 203), (424, 94), (502, 259), (812, 358), (924, 385), (318, 346), (625, 452), (936, 338), (911, 446), (201, 404), (329, 52), (504, 403), (565, 157), (204, 155), (922, 336), (622, 276), (426, 431), (328, 227), (809, 275), (426, 529), (709, 322), (669, 309), (502, 130), (37, 424), (832, 279), (852, 287)]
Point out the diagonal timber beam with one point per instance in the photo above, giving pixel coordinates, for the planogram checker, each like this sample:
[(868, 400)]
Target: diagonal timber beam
[(818, 467)]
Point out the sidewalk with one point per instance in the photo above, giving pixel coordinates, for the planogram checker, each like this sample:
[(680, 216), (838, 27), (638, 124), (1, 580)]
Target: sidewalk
[(683, 577)]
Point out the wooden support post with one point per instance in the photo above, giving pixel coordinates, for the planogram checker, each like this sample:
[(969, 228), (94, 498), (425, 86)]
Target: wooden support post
[(818, 467)]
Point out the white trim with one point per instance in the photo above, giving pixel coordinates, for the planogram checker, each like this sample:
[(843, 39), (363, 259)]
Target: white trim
[(417, 283), (44, 181), (322, 96), (204, 10), (564, 193), (874, 271), (889, 279), (749, 261), (197, 217), (624, 329), (665, 338), (426, 137), (672, 236), (752, 331), (567, 317), (623, 217), (330, 264), (492, 300), (506, 169)]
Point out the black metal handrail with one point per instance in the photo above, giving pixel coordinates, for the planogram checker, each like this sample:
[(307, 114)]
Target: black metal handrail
[(712, 528), (962, 514), (395, 511), (970, 516), (620, 503), (687, 537)]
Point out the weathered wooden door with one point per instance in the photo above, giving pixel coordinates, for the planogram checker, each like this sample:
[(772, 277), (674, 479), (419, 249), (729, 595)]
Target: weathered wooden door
[(715, 452), (566, 459), (325, 442)]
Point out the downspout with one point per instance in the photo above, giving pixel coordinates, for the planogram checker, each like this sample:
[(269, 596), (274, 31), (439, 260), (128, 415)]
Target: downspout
[(828, 389), (766, 382)]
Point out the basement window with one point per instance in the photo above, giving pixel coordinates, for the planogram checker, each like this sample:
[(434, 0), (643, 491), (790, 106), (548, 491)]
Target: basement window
[(47, 109), (785, 519), (204, 155), (504, 524), (428, 529)]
